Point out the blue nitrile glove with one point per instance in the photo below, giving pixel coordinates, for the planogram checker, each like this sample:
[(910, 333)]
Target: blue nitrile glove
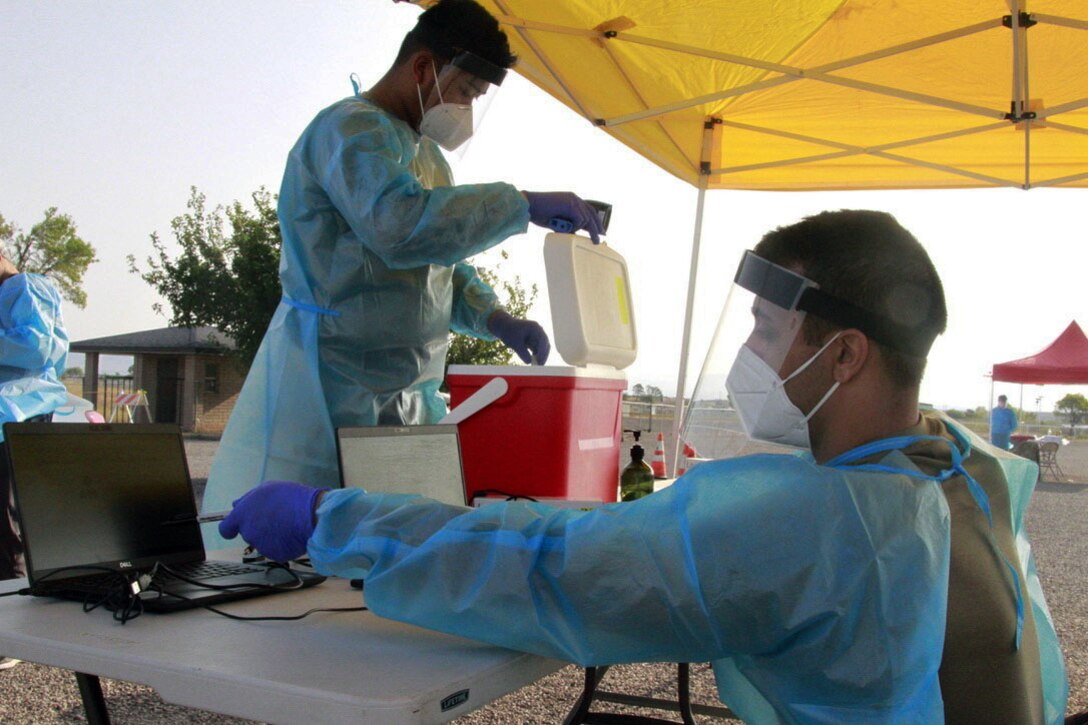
[(276, 518), (544, 206), (525, 337)]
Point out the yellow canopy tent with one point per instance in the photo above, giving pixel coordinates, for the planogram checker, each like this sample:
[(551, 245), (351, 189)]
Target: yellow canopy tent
[(820, 94)]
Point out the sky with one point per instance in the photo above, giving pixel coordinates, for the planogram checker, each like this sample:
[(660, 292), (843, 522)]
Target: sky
[(112, 111)]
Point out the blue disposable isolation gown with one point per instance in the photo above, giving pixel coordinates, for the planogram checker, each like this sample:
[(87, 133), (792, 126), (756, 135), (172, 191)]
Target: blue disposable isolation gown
[(1002, 423), (373, 238), (33, 348), (818, 593)]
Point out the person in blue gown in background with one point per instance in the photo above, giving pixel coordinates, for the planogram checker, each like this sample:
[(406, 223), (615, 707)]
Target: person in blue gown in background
[(1003, 423), (374, 237), (33, 353)]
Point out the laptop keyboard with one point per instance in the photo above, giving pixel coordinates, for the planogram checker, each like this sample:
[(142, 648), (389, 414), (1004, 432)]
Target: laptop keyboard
[(206, 570), (199, 570)]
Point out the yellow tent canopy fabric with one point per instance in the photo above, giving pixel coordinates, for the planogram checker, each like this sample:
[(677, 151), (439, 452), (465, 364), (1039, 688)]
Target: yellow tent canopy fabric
[(822, 94)]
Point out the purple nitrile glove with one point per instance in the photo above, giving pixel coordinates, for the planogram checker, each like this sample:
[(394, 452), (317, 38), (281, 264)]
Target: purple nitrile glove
[(544, 206), (276, 518), (525, 337)]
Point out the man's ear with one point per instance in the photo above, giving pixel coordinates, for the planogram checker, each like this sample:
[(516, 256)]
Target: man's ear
[(423, 67), (852, 353)]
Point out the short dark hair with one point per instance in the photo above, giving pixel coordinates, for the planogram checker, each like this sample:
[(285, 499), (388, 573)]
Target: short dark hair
[(868, 259), (455, 25), (1002, 398)]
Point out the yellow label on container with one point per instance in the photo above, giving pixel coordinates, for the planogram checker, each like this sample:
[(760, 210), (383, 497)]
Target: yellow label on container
[(621, 295)]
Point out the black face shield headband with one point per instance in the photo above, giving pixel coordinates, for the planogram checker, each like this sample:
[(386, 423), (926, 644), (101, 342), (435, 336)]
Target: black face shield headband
[(791, 291)]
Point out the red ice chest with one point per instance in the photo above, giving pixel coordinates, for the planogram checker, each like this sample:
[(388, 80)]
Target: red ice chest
[(555, 433)]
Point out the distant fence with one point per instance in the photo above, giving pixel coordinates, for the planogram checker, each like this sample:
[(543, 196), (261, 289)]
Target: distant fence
[(109, 387), (648, 416), (982, 427)]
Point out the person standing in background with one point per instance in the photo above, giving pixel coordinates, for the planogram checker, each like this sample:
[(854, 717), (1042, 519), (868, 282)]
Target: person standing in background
[(33, 353), (1002, 423)]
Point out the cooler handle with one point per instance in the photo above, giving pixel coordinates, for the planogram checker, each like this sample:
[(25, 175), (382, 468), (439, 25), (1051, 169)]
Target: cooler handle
[(485, 396)]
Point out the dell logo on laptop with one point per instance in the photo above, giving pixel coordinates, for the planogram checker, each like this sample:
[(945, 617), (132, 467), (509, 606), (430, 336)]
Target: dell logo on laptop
[(125, 564)]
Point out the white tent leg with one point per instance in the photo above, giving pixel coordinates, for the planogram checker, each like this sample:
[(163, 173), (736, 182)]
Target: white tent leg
[(685, 343), (989, 413)]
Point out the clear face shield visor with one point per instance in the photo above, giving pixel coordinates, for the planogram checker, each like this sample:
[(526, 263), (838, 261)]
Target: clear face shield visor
[(459, 100), (760, 320)]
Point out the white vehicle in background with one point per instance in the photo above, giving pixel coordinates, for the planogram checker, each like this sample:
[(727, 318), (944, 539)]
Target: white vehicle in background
[(77, 410)]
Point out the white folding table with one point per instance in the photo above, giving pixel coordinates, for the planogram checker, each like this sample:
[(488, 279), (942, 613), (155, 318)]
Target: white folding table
[(339, 667)]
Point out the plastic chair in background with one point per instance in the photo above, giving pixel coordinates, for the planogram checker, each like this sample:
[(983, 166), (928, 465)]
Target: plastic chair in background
[(1048, 461)]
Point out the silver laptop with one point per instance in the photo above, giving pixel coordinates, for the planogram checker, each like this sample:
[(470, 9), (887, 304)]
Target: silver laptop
[(421, 459)]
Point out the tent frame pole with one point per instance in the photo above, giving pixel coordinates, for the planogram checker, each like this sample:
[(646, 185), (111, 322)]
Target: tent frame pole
[(689, 308), (1021, 98), (548, 65), (818, 73), (878, 151), (685, 343), (989, 412)]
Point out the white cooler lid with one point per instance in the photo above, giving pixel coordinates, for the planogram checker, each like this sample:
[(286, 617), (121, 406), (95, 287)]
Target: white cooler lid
[(592, 317)]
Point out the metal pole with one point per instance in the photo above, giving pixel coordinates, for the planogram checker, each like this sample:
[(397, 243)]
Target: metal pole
[(990, 412), (685, 343)]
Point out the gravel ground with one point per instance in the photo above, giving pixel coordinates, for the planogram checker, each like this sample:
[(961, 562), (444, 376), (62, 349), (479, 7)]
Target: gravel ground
[(31, 693)]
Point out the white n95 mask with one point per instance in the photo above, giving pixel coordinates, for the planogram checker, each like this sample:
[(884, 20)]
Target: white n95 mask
[(759, 397), (448, 124)]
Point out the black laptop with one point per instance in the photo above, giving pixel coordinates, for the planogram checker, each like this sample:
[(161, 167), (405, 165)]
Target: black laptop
[(101, 501)]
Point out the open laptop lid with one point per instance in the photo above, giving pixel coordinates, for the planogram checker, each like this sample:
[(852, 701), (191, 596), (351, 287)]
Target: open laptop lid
[(102, 495), (422, 459)]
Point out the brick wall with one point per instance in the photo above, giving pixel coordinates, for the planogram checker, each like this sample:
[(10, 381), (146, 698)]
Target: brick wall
[(213, 407), (210, 407)]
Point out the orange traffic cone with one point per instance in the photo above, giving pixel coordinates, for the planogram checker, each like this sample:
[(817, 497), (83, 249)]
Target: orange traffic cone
[(657, 463), (685, 459)]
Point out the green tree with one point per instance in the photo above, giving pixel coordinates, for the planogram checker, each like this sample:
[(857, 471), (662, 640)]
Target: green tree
[(51, 248), (1074, 407), (229, 281), (73, 372), (638, 389), (515, 299)]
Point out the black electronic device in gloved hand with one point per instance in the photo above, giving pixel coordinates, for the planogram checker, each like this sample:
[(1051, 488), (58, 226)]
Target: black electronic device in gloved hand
[(566, 226)]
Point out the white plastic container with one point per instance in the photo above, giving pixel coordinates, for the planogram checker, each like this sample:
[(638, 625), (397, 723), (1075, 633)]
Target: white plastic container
[(590, 297)]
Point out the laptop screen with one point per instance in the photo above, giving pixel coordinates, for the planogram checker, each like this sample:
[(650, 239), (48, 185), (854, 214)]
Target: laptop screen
[(423, 459), (106, 495)]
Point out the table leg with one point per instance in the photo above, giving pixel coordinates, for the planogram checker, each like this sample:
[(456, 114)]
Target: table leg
[(94, 704), (580, 714)]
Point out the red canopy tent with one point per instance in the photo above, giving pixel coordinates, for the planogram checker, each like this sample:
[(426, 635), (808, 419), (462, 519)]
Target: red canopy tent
[(1063, 362)]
